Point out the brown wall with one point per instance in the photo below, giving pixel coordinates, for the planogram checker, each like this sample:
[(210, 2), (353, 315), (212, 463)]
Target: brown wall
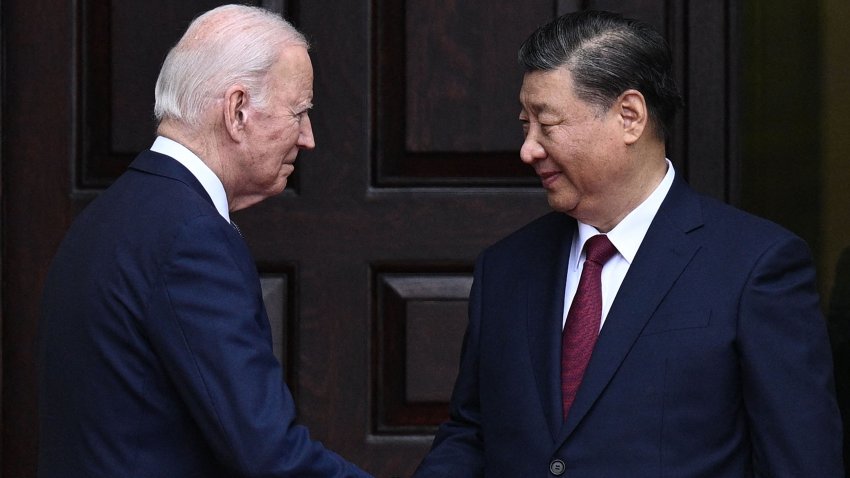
[(796, 111)]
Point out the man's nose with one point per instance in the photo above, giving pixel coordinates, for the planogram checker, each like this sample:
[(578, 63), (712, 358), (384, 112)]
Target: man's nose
[(531, 150), (305, 137)]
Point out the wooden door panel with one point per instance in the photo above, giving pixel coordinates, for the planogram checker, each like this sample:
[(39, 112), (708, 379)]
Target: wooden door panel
[(419, 320), (446, 92)]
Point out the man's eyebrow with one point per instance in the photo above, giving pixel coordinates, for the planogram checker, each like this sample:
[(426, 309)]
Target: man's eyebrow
[(535, 108)]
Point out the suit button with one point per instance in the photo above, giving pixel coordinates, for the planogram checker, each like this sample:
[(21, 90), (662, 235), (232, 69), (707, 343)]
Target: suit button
[(557, 467)]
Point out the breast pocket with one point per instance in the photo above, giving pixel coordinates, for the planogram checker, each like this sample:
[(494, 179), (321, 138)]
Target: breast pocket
[(681, 320)]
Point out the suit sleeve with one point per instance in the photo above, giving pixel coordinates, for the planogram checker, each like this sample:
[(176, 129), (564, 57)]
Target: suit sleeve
[(204, 324), (458, 448), (787, 368)]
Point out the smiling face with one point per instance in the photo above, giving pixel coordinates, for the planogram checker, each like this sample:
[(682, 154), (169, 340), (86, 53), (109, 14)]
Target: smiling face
[(578, 149), (274, 133)]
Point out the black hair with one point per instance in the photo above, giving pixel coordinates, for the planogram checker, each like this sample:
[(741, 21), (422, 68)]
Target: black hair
[(606, 55)]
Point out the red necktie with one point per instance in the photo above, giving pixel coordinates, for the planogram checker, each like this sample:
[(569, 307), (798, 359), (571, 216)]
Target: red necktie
[(582, 326)]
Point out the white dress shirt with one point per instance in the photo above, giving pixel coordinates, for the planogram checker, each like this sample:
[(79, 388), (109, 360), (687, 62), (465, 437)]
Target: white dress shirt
[(198, 168), (626, 237)]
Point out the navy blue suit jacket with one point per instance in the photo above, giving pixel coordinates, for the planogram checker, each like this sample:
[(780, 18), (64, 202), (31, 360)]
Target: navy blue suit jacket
[(713, 361), (156, 349)]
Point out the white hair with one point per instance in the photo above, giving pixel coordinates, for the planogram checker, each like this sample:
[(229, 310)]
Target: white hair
[(231, 44)]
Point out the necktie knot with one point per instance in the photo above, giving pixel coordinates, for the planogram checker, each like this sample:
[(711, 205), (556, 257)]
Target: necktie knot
[(599, 249)]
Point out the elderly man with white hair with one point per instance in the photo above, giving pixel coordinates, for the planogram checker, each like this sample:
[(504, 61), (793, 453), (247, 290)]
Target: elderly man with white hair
[(156, 353)]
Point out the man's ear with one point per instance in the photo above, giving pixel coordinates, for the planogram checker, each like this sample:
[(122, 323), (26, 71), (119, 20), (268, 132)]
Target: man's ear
[(634, 115), (235, 111)]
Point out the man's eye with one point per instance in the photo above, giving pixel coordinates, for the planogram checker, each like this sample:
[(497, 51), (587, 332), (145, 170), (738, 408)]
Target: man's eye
[(546, 128)]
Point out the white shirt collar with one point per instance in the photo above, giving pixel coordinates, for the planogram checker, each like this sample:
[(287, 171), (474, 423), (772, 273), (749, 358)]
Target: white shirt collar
[(211, 183), (629, 233)]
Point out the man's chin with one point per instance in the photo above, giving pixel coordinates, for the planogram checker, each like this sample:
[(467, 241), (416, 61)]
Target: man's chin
[(558, 204), (283, 176), (562, 206), (280, 187)]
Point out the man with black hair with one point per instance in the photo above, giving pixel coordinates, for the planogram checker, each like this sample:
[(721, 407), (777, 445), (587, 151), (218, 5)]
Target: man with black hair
[(640, 329)]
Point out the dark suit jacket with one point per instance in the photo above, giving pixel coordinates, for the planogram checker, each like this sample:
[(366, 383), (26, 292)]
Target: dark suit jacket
[(155, 345), (713, 361)]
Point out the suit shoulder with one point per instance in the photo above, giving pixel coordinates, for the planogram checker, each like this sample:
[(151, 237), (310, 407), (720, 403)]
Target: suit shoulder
[(141, 212), (143, 193), (738, 236), (742, 225), (542, 233)]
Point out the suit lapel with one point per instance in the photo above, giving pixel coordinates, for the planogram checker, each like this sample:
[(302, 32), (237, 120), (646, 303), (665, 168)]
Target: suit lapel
[(664, 253), (545, 304)]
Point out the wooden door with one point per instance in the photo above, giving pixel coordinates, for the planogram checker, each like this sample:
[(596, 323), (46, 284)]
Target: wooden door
[(366, 258)]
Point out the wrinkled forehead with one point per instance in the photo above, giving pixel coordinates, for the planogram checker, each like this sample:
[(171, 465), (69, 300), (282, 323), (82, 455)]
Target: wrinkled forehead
[(542, 89)]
